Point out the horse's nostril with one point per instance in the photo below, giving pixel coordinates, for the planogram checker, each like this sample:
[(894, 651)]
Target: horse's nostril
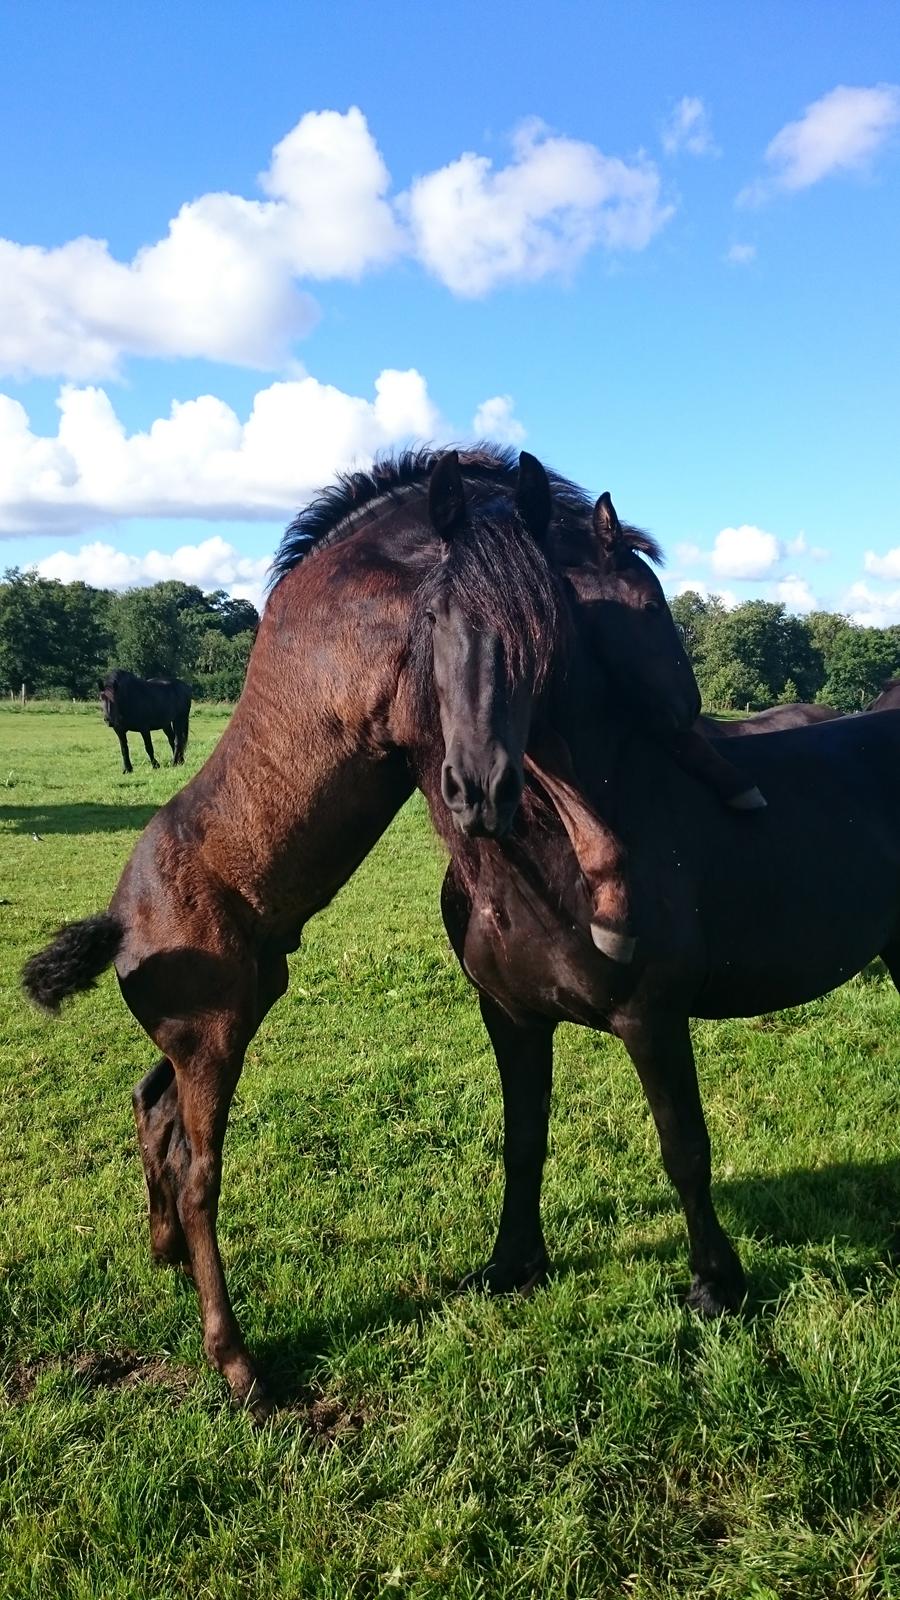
[(506, 784), (451, 787)]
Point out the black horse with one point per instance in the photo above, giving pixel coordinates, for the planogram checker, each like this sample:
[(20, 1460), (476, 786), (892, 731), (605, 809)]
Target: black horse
[(137, 705), (733, 916)]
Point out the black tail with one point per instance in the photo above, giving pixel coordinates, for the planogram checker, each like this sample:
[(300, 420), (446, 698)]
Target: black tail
[(73, 961)]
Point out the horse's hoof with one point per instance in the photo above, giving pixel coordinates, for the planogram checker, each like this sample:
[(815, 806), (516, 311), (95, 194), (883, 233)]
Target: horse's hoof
[(616, 946), (716, 1296), (748, 800), (501, 1278)]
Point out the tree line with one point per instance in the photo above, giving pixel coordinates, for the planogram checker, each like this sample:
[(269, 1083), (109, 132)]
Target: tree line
[(58, 638), (759, 655)]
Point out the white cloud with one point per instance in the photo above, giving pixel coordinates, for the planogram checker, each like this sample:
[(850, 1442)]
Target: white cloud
[(212, 564), (796, 594), (801, 547), (687, 554), (494, 420), (886, 566), (740, 255), (221, 284), (745, 552), (224, 282), (699, 586), (688, 128), (200, 460), (871, 610), (841, 132), (475, 228)]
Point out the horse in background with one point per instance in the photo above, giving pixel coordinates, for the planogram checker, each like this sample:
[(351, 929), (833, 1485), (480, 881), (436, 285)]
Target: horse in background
[(888, 699), (773, 720), (139, 705)]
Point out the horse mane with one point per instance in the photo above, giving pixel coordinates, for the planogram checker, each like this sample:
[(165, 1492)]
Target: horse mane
[(354, 497)]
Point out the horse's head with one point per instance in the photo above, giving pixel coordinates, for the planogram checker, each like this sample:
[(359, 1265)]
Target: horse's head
[(626, 625), (495, 618), (107, 700)]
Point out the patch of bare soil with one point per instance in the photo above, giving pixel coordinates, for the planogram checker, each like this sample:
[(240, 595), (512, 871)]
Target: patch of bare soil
[(98, 1369)]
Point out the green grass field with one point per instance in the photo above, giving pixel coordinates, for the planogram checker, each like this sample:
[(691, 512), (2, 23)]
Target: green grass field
[(592, 1441)]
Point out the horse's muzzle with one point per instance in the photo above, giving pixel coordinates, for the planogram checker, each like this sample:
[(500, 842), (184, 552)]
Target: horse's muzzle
[(483, 809)]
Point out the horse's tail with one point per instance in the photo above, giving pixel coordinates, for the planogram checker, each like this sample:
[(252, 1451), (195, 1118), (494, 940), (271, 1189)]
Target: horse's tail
[(72, 961)]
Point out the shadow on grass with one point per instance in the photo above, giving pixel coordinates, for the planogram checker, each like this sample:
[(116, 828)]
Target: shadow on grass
[(292, 1363), (92, 817), (842, 1220)]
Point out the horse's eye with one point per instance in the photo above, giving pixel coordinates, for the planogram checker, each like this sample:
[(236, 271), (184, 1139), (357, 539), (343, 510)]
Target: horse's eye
[(653, 606), (430, 617)]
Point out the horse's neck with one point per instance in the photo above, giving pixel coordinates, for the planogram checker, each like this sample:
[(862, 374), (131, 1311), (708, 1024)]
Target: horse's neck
[(307, 777)]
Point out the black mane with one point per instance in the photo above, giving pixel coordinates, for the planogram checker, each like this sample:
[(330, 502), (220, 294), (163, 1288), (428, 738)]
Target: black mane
[(337, 510)]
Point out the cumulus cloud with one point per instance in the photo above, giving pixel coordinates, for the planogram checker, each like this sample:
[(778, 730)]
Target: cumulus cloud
[(474, 227), (200, 460), (841, 132), (494, 420), (699, 586), (212, 564), (745, 552), (688, 128), (796, 594), (224, 282), (871, 610), (886, 566)]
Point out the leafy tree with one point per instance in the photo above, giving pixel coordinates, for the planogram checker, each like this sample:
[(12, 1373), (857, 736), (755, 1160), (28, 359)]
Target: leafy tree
[(222, 664), (861, 660), (692, 614), (150, 635), (761, 646)]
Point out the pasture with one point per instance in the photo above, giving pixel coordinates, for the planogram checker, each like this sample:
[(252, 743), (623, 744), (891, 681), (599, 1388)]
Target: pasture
[(595, 1440)]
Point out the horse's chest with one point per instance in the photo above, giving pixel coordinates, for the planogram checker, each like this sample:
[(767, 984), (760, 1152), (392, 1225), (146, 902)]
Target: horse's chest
[(532, 958)]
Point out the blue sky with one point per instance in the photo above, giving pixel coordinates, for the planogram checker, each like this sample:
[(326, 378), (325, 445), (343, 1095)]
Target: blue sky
[(655, 242)]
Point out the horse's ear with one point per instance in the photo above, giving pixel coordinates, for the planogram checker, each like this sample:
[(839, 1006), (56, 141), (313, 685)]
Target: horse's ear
[(607, 528), (534, 501), (100, 684), (447, 497)]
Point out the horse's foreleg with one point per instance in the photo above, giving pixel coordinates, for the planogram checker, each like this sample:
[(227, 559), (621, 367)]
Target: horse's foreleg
[(663, 1055), (148, 746), (123, 746), (155, 1103), (525, 1060)]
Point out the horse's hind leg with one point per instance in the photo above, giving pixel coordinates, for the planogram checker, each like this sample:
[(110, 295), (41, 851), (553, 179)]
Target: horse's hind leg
[(524, 1054), (662, 1053), (155, 1103), (207, 1074), (169, 732), (148, 746)]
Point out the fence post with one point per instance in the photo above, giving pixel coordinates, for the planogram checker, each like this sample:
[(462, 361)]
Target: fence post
[(23, 697)]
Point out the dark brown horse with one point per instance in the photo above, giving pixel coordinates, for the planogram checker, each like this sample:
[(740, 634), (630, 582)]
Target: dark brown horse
[(316, 761), (773, 720), (889, 698), (734, 916)]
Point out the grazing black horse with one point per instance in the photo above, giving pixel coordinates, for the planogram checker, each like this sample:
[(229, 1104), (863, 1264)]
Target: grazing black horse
[(775, 719), (137, 705), (888, 699), (734, 916)]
